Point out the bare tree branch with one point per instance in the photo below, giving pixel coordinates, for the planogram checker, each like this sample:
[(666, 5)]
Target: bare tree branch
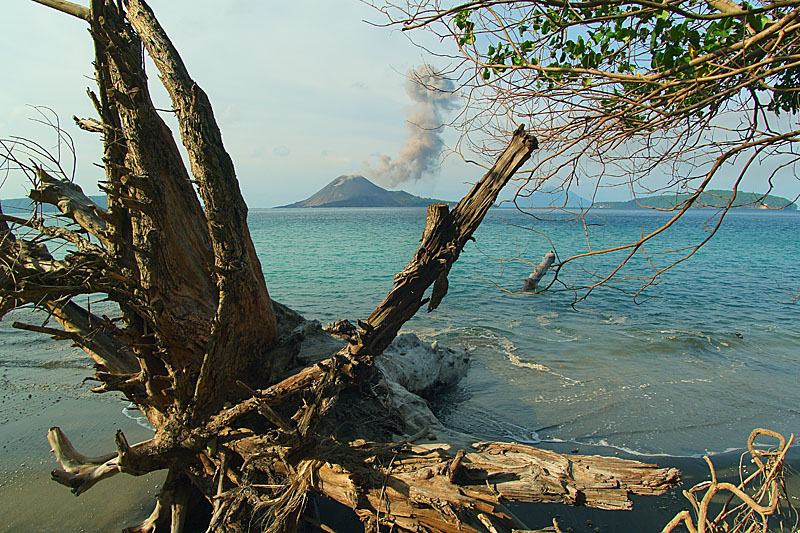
[(70, 8)]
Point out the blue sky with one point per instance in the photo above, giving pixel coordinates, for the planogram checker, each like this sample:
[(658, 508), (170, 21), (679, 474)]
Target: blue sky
[(303, 91)]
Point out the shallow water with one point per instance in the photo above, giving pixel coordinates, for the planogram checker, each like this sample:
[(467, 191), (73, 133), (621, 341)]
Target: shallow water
[(711, 354)]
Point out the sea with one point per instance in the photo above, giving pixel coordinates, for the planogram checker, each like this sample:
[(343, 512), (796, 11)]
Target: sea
[(686, 367)]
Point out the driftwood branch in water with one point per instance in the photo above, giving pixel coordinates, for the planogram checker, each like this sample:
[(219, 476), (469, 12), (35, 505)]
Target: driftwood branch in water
[(432, 487), (240, 418), (539, 272)]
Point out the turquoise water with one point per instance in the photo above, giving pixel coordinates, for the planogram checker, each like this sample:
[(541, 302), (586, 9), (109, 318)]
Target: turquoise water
[(704, 357), (707, 355)]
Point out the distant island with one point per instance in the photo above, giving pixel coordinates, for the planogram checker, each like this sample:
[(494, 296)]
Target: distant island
[(708, 199), (358, 191)]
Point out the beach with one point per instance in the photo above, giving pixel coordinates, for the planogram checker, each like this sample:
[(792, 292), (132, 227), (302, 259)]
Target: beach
[(689, 372), (34, 398), (33, 502)]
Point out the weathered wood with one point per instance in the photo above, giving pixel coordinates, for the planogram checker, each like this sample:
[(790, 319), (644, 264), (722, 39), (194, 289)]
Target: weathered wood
[(107, 351), (539, 272), (70, 200), (35, 267), (196, 329), (444, 237), (81, 473), (418, 486), (70, 8), (89, 124), (244, 324)]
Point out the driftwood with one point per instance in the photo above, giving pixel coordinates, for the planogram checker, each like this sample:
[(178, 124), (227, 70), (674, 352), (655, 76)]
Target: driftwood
[(538, 273), (241, 419), (761, 495), (431, 486)]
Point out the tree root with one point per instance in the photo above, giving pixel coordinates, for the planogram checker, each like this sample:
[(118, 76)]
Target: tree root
[(80, 473), (759, 501)]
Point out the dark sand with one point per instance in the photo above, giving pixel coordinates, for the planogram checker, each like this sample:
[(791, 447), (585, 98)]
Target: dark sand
[(30, 404), (31, 502)]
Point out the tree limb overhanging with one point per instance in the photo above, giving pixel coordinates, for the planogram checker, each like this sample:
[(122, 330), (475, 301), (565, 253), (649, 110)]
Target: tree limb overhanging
[(196, 343), (664, 101)]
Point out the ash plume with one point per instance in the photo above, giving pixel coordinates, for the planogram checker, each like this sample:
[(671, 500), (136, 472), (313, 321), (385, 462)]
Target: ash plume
[(433, 95)]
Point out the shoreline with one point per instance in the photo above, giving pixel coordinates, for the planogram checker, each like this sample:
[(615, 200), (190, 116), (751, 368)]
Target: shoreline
[(36, 398), (31, 500), (125, 500)]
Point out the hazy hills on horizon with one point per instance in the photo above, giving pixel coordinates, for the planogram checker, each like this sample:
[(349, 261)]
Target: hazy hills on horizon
[(357, 191), (713, 198)]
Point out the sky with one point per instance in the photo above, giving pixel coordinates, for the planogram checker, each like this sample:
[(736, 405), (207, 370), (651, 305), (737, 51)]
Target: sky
[(303, 92)]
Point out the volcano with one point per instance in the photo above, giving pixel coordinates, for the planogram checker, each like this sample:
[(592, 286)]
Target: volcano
[(358, 191)]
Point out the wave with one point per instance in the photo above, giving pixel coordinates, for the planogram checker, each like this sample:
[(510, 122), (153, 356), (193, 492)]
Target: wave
[(132, 412), (477, 422), (82, 362), (602, 443), (516, 361)]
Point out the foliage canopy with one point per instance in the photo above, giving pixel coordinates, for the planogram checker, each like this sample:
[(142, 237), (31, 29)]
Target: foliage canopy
[(653, 96)]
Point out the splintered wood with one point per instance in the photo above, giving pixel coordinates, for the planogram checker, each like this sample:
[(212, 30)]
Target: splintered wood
[(446, 491), (241, 421)]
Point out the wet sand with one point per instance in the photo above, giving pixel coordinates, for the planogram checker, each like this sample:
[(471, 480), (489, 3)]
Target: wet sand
[(34, 399), (31, 502)]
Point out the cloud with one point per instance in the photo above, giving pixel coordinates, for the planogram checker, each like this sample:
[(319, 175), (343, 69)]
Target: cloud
[(433, 95)]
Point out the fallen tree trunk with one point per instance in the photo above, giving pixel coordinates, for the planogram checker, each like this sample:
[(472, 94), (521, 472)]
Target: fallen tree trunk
[(432, 487), (243, 419)]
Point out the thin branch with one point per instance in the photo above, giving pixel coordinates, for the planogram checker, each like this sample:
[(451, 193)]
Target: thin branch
[(70, 8)]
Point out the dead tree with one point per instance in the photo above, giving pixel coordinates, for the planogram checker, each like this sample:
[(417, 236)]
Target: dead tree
[(538, 273), (202, 351)]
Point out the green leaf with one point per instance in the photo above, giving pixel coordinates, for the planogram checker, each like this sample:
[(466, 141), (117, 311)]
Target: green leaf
[(580, 46)]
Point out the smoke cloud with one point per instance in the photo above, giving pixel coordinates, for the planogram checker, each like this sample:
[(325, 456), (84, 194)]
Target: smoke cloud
[(433, 95)]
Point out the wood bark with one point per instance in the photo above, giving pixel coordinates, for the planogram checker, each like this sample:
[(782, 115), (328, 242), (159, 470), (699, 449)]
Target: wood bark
[(444, 237), (197, 344)]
